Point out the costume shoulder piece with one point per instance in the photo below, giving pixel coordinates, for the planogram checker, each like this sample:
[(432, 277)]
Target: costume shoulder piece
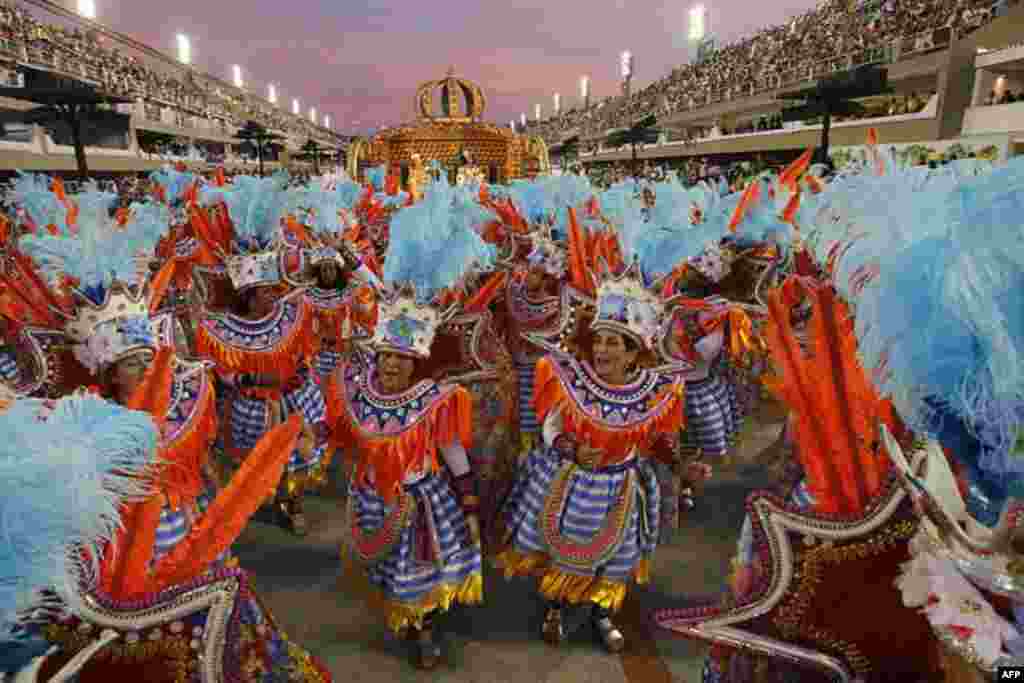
[(388, 417), (190, 419), (277, 343), (468, 349), (395, 434), (615, 419)]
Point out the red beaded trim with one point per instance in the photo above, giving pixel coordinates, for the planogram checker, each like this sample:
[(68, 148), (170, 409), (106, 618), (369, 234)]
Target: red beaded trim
[(375, 546), (605, 543)]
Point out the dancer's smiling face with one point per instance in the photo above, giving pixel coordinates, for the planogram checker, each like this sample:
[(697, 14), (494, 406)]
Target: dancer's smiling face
[(614, 356), (394, 371)]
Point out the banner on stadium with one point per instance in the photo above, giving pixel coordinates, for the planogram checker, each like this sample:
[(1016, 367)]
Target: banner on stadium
[(992, 147)]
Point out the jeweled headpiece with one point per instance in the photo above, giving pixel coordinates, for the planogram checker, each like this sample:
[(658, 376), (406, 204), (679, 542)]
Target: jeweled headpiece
[(626, 306), (256, 207), (546, 253), (624, 302), (434, 245), (108, 264)]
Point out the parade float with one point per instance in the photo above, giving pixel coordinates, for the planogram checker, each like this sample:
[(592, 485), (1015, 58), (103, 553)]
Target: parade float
[(455, 136)]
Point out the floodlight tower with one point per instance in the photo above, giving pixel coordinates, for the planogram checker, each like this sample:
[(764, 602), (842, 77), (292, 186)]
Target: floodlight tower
[(626, 72)]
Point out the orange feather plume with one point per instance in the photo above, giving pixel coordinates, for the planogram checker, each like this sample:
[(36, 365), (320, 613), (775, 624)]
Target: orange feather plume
[(749, 198), (790, 177), (579, 271), (483, 297), (835, 406), (254, 482)]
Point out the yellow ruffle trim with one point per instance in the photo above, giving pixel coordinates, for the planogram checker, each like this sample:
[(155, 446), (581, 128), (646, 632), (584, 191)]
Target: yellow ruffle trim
[(401, 616), (296, 483), (559, 586)]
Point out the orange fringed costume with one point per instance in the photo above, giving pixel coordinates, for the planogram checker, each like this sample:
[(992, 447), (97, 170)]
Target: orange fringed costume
[(400, 495)]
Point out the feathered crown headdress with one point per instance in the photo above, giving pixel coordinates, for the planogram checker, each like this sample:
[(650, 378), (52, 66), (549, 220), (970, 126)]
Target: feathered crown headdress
[(936, 282), (625, 304), (256, 207), (73, 464), (434, 244), (108, 266)]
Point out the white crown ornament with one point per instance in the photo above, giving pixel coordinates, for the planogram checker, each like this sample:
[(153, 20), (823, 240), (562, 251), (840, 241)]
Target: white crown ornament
[(405, 325), (626, 306), (547, 253), (254, 270), (116, 329), (714, 263)]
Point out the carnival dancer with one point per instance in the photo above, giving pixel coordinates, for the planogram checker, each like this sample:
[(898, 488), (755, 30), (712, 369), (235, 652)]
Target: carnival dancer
[(177, 539), (536, 293), (262, 349), (585, 512), (341, 289), (74, 462), (415, 537)]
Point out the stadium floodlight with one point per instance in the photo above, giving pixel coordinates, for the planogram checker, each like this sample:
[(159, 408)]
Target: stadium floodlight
[(87, 8), (698, 27), (512, 124), (584, 87), (522, 120), (312, 115), (238, 76), (272, 93), (184, 49), (558, 103), (327, 122), (295, 107), (626, 64), (536, 111)]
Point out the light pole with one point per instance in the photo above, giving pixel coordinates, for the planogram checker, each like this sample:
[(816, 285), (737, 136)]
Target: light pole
[(237, 70), (295, 107), (272, 93), (184, 49), (585, 91), (558, 103), (87, 8)]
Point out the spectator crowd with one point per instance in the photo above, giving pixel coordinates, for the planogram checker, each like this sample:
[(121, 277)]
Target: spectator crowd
[(98, 58), (838, 34)]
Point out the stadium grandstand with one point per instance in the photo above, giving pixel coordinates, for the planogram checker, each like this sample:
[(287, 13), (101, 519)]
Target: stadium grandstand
[(168, 111), (955, 71)]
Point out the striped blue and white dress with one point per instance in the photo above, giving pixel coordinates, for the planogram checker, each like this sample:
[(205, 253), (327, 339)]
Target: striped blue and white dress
[(597, 523), (527, 413), (250, 418), (416, 551), (589, 499), (433, 547)]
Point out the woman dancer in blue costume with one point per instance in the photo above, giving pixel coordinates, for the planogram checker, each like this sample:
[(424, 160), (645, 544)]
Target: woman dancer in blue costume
[(340, 287), (584, 515), (262, 351), (414, 544)]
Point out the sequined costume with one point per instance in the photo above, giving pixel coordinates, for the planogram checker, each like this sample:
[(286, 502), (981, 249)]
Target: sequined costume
[(413, 546)]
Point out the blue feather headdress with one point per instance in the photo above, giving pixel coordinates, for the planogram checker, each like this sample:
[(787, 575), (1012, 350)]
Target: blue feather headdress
[(110, 264), (174, 183), (257, 207), (936, 282), (434, 244), (72, 464), (33, 194)]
